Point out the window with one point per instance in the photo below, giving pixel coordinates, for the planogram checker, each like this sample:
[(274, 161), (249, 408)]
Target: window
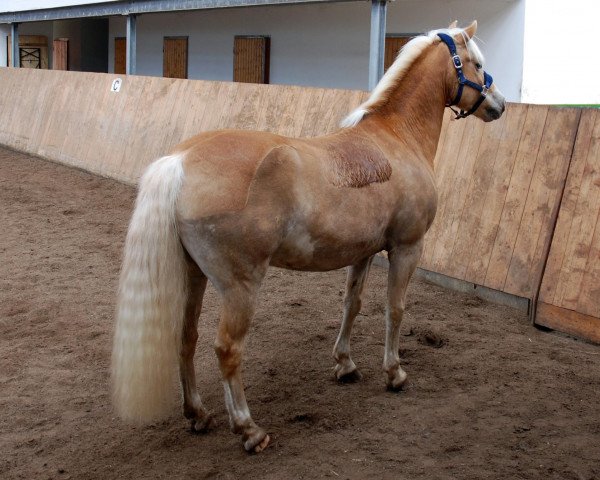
[(120, 55), (251, 59), (175, 57), (393, 44)]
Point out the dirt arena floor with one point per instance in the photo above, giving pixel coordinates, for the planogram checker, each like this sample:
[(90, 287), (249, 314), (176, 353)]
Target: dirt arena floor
[(489, 395)]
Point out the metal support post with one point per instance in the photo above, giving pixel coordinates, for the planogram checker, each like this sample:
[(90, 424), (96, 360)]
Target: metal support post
[(14, 52), (377, 46), (130, 57)]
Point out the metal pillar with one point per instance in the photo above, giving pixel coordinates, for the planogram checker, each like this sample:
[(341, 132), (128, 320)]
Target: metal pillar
[(14, 52), (377, 46), (130, 57)]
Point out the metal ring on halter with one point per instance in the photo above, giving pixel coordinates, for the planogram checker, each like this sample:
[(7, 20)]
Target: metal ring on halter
[(462, 80)]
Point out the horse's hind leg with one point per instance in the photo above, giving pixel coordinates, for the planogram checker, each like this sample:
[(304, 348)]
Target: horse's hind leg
[(239, 299), (192, 405), (345, 370), (403, 261)]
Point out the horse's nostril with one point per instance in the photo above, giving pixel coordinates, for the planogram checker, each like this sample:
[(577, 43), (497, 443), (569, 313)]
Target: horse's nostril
[(495, 114)]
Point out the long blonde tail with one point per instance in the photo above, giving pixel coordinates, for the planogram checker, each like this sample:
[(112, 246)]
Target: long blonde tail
[(152, 299)]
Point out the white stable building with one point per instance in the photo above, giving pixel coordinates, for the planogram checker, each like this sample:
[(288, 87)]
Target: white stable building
[(539, 51)]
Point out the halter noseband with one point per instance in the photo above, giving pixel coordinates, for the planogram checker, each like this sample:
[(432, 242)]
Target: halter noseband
[(462, 80)]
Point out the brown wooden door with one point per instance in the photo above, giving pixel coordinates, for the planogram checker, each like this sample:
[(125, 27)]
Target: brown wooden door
[(120, 55), (175, 57), (60, 54), (251, 59), (393, 44)]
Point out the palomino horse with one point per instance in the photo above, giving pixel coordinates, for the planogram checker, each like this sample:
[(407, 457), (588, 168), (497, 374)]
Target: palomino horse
[(225, 205)]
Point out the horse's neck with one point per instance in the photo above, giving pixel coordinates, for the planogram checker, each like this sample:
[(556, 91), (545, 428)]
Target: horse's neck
[(415, 109)]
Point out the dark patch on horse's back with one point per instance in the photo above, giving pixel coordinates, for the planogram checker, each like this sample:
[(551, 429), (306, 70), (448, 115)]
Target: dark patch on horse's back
[(357, 162)]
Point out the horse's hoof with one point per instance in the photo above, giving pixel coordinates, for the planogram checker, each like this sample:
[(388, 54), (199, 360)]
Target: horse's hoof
[(346, 372), (398, 381), (255, 440), (397, 388), (202, 425), (350, 377)]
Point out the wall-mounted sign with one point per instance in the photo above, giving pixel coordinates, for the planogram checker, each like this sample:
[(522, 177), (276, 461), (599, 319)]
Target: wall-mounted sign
[(116, 85)]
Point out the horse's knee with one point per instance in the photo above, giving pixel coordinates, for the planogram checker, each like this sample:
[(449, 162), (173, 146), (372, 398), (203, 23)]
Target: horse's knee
[(395, 313), (229, 355), (352, 305)]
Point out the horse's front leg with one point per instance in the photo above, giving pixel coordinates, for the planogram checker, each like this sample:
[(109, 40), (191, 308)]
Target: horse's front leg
[(345, 370), (237, 310), (403, 261)]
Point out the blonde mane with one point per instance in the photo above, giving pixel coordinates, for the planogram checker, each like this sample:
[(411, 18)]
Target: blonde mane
[(407, 56)]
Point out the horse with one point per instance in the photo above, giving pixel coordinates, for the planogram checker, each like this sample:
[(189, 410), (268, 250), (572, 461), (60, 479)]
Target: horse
[(225, 205)]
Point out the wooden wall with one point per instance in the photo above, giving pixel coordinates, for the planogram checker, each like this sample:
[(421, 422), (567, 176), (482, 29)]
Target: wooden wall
[(570, 293), (75, 118), (500, 184)]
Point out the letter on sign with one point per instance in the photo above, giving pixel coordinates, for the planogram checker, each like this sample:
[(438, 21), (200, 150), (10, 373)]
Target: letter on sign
[(116, 85)]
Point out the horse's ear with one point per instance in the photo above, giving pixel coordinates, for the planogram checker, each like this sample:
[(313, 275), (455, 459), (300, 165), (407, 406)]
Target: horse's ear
[(454, 24), (471, 29)]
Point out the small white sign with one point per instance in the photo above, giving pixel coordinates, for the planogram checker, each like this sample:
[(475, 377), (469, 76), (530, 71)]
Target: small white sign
[(116, 85)]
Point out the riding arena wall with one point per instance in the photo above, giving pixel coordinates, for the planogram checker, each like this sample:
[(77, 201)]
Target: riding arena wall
[(519, 198)]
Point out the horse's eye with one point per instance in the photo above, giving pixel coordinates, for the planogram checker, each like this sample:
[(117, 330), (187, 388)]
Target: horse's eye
[(478, 66)]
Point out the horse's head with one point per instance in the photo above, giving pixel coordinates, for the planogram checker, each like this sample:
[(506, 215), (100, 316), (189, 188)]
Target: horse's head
[(468, 86)]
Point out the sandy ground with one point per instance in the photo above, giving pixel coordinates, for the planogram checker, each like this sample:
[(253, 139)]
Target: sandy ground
[(489, 395)]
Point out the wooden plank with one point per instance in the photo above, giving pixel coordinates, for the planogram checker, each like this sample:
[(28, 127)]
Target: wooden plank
[(83, 119), (455, 184), (313, 112), (445, 164), (584, 224), (568, 321), (442, 140), (249, 107), (201, 97), (559, 270), (570, 292), (123, 161), (495, 197), (293, 117), (589, 297), (475, 206), (514, 205), (54, 133), (212, 112), (155, 125), (116, 118), (438, 166), (273, 108), (544, 193)]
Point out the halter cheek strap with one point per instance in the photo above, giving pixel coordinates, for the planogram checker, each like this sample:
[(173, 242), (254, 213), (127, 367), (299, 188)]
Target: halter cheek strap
[(462, 80)]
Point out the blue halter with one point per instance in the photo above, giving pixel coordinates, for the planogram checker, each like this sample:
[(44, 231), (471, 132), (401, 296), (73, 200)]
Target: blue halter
[(462, 80)]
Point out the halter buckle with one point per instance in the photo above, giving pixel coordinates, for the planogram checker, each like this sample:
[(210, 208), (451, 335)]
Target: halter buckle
[(484, 90), (457, 61)]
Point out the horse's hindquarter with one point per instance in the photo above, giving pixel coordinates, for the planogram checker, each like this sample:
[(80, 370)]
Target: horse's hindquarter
[(301, 204)]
